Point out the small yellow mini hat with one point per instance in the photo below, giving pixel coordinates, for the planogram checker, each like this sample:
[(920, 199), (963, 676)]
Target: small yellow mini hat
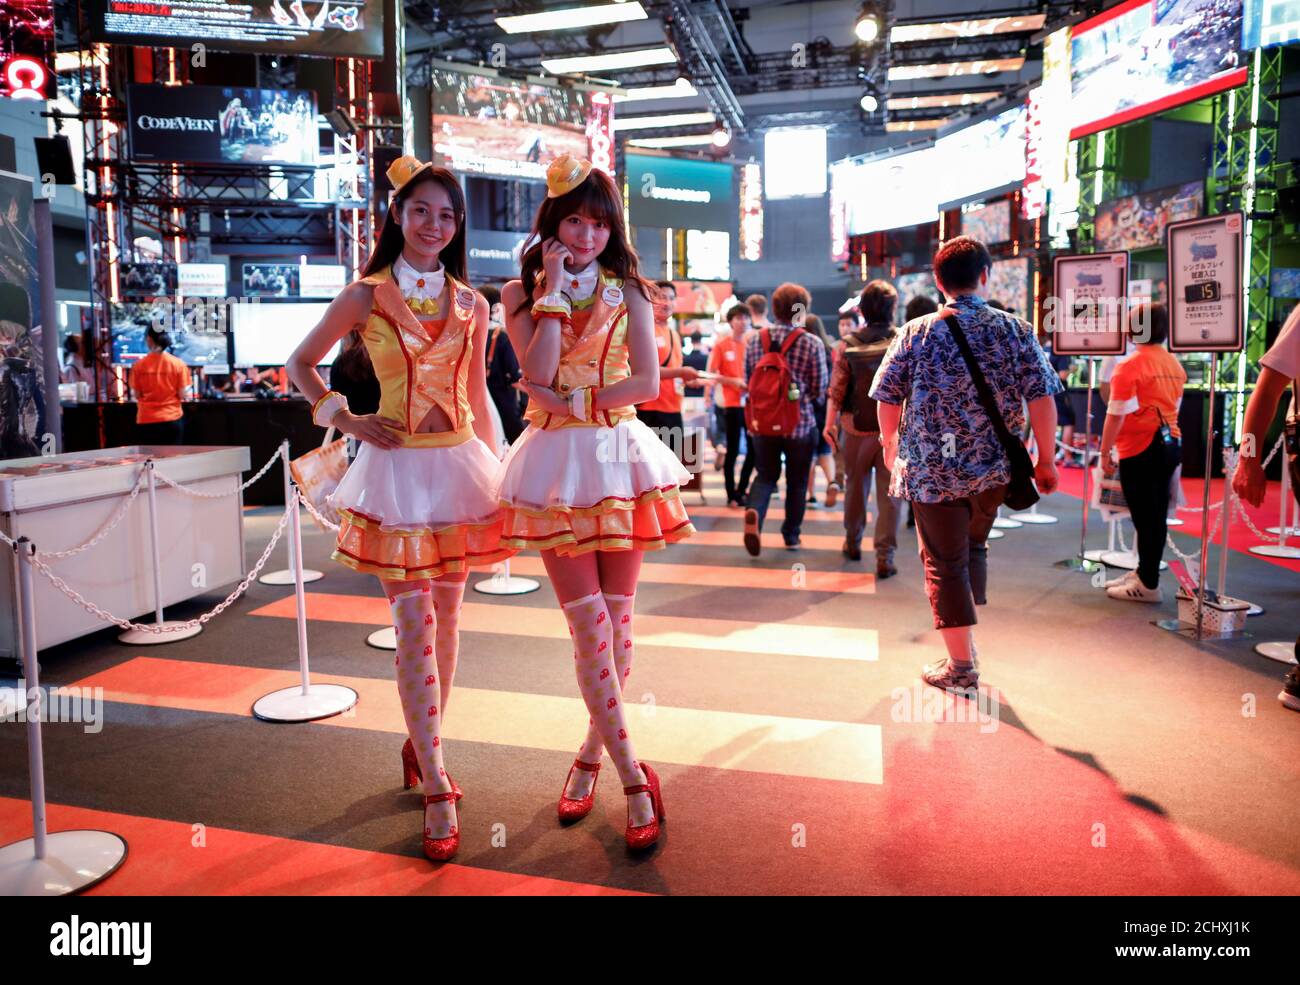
[(404, 169), (566, 173)]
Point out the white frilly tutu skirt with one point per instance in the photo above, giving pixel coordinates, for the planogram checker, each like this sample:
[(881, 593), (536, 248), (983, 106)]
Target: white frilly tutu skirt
[(580, 489), (416, 512)]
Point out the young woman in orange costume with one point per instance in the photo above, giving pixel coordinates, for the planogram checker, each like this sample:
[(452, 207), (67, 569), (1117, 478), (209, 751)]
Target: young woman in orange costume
[(587, 484), (419, 504)]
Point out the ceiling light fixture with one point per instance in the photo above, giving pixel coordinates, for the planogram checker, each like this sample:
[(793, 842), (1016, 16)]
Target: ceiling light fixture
[(698, 140), (573, 17), (613, 62), (868, 27), (939, 70), (662, 121), (976, 28), (679, 89)]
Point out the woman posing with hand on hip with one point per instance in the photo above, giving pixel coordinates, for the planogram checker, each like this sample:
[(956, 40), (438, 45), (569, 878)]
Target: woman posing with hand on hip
[(587, 484), (419, 503)]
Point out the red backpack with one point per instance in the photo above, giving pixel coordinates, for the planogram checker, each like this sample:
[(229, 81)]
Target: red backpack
[(770, 411)]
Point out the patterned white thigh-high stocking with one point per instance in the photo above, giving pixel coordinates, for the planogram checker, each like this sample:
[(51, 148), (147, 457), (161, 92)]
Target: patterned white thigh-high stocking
[(417, 687), (447, 598), (598, 680), (620, 612)]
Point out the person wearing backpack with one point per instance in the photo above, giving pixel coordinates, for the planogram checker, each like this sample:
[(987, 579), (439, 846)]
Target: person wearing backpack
[(850, 407), (785, 368), (950, 397)]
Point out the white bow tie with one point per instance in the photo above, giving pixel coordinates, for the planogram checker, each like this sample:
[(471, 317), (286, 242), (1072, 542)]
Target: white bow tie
[(414, 284), (581, 285)]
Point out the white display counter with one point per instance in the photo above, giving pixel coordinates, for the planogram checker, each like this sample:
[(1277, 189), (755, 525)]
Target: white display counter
[(61, 501)]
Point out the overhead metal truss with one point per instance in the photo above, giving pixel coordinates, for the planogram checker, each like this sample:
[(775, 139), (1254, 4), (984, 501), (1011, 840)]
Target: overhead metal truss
[(1244, 174)]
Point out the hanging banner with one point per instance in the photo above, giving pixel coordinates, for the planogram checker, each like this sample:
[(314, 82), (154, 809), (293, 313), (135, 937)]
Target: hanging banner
[(1205, 297), (1087, 312), (22, 407), (751, 212)]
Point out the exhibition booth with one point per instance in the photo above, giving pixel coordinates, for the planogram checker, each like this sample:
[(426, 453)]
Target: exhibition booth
[(233, 163)]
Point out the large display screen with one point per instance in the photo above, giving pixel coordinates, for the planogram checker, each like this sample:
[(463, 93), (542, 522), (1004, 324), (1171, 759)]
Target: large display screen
[(912, 286), (680, 193), (197, 330), (988, 223), (219, 125), (1138, 222), (348, 29), (1270, 22), (795, 160), (1146, 56), (267, 333), (1009, 285), (983, 157), (486, 124), (887, 192)]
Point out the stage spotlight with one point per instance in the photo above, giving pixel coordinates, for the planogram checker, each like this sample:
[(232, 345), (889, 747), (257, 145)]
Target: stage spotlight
[(721, 137), (868, 27), (869, 102)]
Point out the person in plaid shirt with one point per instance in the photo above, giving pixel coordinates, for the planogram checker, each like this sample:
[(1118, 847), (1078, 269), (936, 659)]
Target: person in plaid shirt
[(807, 360)]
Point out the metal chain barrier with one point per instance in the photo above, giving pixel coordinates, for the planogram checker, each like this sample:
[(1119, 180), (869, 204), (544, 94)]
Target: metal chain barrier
[(322, 520), (103, 532), (221, 495), (1267, 538), (99, 613)]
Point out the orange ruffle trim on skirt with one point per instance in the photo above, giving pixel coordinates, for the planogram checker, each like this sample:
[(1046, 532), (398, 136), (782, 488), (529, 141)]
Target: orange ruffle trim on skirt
[(650, 522), (404, 555)]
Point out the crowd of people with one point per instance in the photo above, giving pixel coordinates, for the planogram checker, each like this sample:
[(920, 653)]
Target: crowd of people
[(566, 432)]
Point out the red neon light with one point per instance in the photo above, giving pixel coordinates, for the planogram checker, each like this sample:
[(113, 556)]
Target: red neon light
[(26, 78)]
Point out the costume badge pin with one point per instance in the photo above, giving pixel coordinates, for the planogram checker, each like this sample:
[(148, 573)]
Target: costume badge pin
[(465, 298), (613, 295)]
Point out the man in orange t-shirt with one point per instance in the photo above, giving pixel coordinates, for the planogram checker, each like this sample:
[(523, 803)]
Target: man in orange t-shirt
[(727, 363), (1142, 427)]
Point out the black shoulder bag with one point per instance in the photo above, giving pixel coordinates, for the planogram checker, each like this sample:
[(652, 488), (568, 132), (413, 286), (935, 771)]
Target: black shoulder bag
[(1021, 491)]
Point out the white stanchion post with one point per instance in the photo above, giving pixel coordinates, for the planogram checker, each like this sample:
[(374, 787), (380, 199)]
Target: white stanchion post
[(503, 583), (1283, 653), (1001, 522), (1032, 516), (1210, 435), (1283, 528), (286, 576), (66, 861), (174, 630), (306, 702), (1081, 561), (1112, 523)]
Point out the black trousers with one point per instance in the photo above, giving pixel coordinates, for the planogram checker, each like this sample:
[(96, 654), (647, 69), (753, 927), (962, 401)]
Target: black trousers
[(161, 433), (798, 454), (747, 467), (1145, 480), (734, 419)]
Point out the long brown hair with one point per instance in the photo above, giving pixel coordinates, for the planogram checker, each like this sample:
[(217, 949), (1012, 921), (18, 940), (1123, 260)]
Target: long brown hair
[(597, 198), (391, 240)]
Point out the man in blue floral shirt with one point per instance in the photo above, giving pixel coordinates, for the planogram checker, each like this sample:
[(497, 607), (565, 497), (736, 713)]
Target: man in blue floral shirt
[(945, 457)]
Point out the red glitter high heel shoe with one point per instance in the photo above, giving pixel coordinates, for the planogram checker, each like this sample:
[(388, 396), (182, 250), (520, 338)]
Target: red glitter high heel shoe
[(571, 809), (412, 775), (645, 835), (441, 849)]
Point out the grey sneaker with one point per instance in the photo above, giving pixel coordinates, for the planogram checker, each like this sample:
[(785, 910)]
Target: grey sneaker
[(942, 674)]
